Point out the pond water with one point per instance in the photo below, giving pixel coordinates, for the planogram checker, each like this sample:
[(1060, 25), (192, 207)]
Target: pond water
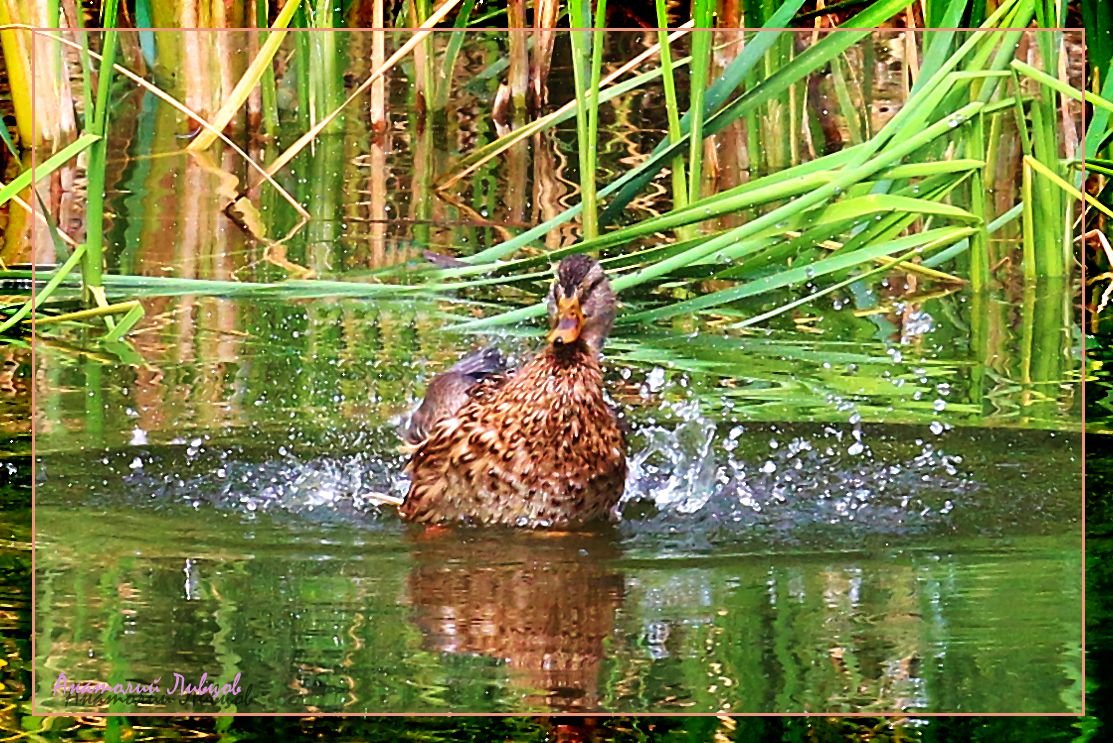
[(873, 582), (871, 505), (213, 512)]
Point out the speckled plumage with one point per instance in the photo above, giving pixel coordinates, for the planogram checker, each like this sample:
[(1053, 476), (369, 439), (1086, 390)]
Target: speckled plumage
[(448, 391), (538, 447)]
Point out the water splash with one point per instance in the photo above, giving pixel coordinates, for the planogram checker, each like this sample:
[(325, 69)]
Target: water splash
[(674, 465), (710, 480), (696, 480)]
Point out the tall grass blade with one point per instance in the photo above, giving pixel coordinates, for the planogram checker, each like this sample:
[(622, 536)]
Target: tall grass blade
[(45, 168), (581, 41), (56, 279), (93, 263), (701, 62), (672, 106), (452, 52), (598, 40), (812, 59)]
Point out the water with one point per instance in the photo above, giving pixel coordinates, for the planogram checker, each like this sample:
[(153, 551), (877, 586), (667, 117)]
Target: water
[(872, 505), (759, 566)]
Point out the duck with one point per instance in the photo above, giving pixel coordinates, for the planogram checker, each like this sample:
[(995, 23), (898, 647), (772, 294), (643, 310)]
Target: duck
[(536, 447)]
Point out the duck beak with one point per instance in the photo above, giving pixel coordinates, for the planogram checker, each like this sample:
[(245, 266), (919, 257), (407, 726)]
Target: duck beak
[(569, 321)]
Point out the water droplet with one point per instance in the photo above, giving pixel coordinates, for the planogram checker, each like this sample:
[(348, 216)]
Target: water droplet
[(655, 380)]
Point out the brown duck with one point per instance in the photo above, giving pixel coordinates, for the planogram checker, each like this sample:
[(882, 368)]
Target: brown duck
[(538, 447)]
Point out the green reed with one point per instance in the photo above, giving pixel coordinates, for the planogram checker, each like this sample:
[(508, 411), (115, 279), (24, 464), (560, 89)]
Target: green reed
[(268, 87), (702, 12), (898, 176), (672, 105), (586, 81), (96, 124)]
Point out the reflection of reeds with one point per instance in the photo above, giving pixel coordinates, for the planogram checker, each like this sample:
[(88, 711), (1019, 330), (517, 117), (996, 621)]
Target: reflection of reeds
[(545, 14)]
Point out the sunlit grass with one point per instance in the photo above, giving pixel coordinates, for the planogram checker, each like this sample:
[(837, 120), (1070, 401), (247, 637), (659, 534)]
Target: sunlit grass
[(919, 181)]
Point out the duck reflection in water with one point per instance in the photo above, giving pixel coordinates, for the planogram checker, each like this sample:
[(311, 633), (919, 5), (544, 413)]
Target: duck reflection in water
[(544, 604)]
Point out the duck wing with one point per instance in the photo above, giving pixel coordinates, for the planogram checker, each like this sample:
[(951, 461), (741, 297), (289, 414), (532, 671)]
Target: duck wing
[(448, 391)]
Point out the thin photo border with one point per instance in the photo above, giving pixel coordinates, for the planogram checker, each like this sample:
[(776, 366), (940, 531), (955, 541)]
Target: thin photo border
[(35, 31)]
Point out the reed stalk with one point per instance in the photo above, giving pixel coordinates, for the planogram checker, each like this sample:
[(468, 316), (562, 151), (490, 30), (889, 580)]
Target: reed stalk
[(581, 40), (974, 142), (518, 72), (378, 104), (92, 265), (301, 60), (419, 11), (268, 87), (325, 72), (672, 105), (702, 11), (598, 43), (445, 77), (545, 15), (38, 81)]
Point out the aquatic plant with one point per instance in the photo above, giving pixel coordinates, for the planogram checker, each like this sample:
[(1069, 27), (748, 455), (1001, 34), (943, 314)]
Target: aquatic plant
[(905, 191)]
